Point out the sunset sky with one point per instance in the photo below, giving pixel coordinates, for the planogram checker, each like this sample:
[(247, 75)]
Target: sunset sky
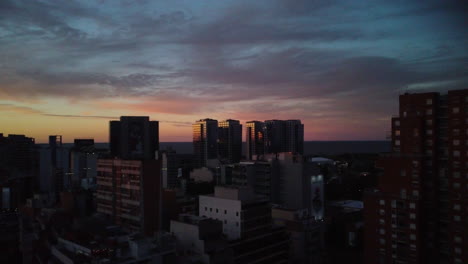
[(68, 67)]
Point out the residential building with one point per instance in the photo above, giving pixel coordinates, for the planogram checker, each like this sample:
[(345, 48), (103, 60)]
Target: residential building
[(254, 140), (205, 141), (134, 137), (200, 240), (247, 225), (128, 192), (418, 212), (229, 141)]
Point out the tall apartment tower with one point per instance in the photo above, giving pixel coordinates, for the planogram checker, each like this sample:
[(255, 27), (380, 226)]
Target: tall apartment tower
[(230, 140), (283, 136), (418, 213), (134, 137), (205, 141), (254, 139), (294, 136)]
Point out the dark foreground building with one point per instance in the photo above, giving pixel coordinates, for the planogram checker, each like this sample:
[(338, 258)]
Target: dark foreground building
[(418, 213)]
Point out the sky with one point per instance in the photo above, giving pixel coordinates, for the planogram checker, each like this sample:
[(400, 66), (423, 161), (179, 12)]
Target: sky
[(68, 67)]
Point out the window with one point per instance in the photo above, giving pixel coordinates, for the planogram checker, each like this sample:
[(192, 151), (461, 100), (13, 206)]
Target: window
[(206, 209), (429, 132), (458, 250), (457, 207), (456, 218), (429, 122), (397, 142), (237, 213), (397, 123), (403, 173), (415, 193), (382, 241), (397, 132), (412, 216), (429, 112), (382, 211), (382, 221), (456, 153), (455, 110), (457, 239), (412, 205), (456, 142), (412, 226), (456, 132), (456, 185), (382, 231), (225, 211), (429, 142), (237, 223), (413, 237), (403, 193), (216, 210), (456, 174), (211, 209), (382, 202), (225, 221), (429, 101)]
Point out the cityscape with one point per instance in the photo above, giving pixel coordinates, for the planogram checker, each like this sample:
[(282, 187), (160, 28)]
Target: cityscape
[(284, 132)]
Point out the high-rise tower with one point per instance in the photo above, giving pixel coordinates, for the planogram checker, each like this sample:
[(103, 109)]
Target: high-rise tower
[(205, 141), (230, 140), (418, 213), (254, 139)]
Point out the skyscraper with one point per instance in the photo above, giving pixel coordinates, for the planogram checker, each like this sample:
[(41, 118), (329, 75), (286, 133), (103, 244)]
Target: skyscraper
[(283, 136), (254, 139), (230, 140), (418, 213), (134, 137), (205, 141)]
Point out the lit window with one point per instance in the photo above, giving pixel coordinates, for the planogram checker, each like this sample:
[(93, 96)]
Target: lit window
[(382, 212), (397, 142), (397, 122), (413, 237), (382, 202), (412, 205), (455, 110), (382, 231), (382, 241), (382, 221), (397, 132)]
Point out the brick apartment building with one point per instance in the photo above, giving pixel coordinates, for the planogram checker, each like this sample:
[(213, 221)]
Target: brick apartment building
[(418, 213)]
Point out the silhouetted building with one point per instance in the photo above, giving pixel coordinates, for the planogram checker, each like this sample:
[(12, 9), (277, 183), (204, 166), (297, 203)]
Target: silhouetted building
[(83, 164), (205, 141), (283, 136), (128, 192), (54, 164), (170, 169), (254, 139), (18, 164), (134, 137), (418, 213), (230, 140)]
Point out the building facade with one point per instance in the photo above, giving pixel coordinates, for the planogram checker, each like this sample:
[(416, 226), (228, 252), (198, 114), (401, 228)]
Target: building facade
[(134, 137), (229, 141), (254, 139), (418, 213), (128, 192), (205, 141)]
